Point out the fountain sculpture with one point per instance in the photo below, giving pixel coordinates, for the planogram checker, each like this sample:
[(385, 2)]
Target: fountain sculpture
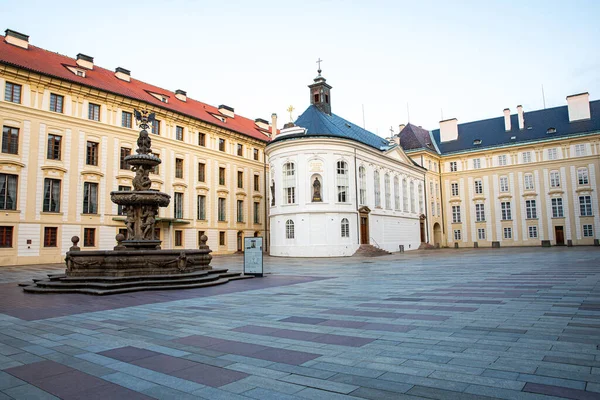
[(137, 262)]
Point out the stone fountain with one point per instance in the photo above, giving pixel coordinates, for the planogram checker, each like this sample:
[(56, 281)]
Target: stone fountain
[(137, 261)]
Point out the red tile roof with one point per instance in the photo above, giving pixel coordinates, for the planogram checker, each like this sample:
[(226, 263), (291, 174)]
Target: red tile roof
[(53, 64)]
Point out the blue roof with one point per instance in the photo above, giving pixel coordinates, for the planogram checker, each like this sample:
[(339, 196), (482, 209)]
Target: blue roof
[(320, 124), (492, 134)]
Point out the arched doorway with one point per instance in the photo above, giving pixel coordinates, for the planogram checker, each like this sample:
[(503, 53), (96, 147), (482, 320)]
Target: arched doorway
[(437, 235)]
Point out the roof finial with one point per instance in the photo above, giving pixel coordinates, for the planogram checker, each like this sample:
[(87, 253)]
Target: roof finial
[(319, 62), (290, 109)]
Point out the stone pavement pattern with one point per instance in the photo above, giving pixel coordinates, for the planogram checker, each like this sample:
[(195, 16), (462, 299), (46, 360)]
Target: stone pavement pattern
[(447, 324)]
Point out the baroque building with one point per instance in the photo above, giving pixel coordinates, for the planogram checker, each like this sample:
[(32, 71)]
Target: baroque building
[(67, 125), (336, 186)]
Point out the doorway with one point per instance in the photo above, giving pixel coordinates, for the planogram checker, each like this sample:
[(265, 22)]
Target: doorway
[(422, 223), (560, 236), (363, 216), (437, 235), (240, 242)]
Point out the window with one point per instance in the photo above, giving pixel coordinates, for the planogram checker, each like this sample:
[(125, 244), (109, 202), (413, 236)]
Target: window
[(362, 181), (529, 182), (126, 119), (221, 238), (454, 186), (421, 208), (179, 168), (531, 208), (240, 211), (526, 157), (10, 140), (457, 235), (201, 139), (221, 175), (552, 154), (94, 112), (257, 212), (481, 234), (56, 103), (54, 145), (506, 210), (377, 184), (437, 190), (439, 208), (156, 127), (125, 151), (255, 154), (503, 184), (201, 207), (256, 183), (585, 206), (240, 150), (396, 193), (289, 183), (580, 150), (51, 195), (533, 232), (178, 133), (178, 206), (92, 153), (120, 208), (502, 160), (404, 195), (90, 198), (50, 236), (588, 230), (240, 180), (345, 228), (156, 169), (507, 233), (479, 212), (89, 237), (554, 179), (386, 187), (455, 214), (582, 176), (478, 186), (222, 209), (289, 229), (412, 197), (178, 238), (12, 93), (557, 208), (476, 163), (453, 167), (8, 191), (221, 144), (6, 234), (342, 182), (432, 209), (201, 172)]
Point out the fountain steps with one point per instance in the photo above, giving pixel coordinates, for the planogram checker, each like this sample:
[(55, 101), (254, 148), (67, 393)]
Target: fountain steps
[(102, 285)]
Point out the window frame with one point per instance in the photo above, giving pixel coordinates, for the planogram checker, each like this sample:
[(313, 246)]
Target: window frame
[(345, 228), (58, 101), (6, 237), (222, 209), (126, 119), (178, 168), (49, 195), (179, 133), (178, 209), (50, 236), (91, 153), (11, 98), (531, 209), (94, 112), (290, 229), (585, 206), (10, 139), (89, 237), (201, 207), (90, 197), (54, 147), (9, 182)]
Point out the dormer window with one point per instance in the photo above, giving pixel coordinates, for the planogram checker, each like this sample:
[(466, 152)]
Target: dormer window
[(477, 141), (80, 73), (551, 130), (163, 99)]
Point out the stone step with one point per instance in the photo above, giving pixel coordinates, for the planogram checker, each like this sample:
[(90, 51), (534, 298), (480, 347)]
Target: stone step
[(368, 250), (65, 278), (115, 285)]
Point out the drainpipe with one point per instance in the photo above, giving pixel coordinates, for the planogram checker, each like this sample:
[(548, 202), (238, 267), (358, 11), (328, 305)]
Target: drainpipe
[(357, 199)]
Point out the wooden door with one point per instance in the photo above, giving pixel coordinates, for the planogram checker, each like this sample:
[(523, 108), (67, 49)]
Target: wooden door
[(364, 230), (560, 237)]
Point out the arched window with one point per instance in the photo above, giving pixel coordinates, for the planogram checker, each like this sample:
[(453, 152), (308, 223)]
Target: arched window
[(388, 195), (289, 183), (404, 196), (289, 229), (396, 193), (342, 182), (412, 197), (377, 189), (362, 181), (345, 228), (421, 210)]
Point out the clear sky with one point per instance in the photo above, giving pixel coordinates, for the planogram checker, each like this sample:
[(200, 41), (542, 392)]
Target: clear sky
[(462, 59)]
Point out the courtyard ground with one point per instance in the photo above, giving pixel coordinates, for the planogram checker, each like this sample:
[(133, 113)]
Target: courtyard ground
[(519, 323)]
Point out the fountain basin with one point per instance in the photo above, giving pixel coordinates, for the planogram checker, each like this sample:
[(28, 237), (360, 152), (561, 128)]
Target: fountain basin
[(141, 197)]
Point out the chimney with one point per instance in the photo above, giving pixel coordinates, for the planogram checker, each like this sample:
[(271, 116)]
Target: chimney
[(262, 124), (400, 127), (123, 74), (226, 110), (507, 119), (273, 125), (521, 117), (17, 39), (181, 95), (448, 130), (579, 106), (85, 61)]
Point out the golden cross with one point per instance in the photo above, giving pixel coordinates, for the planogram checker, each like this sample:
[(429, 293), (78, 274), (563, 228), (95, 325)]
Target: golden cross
[(290, 109)]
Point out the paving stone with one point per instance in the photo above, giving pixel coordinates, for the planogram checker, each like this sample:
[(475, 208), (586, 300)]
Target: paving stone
[(376, 394), (165, 393), (433, 393), (129, 381), (559, 391), (266, 394), (552, 381), (29, 392), (319, 383), (316, 394), (8, 381)]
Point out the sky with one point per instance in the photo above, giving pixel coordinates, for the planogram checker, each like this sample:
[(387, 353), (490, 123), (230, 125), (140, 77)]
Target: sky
[(418, 61)]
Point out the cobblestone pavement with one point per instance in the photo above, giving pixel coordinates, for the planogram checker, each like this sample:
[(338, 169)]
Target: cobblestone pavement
[(446, 324)]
